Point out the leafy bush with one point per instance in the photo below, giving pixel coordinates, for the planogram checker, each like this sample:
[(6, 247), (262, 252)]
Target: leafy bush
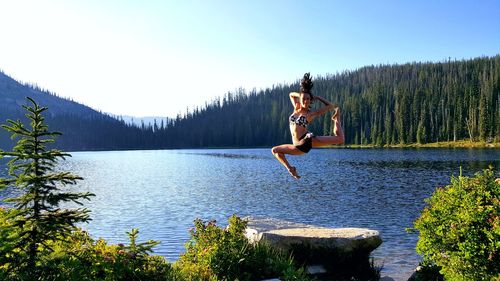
[(460, 229), (214, 253), (427, 272), (7, 239), (82, 258)]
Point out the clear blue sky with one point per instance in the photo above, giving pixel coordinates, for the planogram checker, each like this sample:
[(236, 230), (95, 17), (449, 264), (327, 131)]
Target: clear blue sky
[(156, 58)]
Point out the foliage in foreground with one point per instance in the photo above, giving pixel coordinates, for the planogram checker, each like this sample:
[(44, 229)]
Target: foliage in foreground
[(215, 253), (39, 240), (460, 229), (37, 219), (79, 257), (83, 258)]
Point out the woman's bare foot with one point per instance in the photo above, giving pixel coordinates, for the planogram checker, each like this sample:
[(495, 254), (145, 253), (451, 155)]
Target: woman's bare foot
[(336, 120), (293, 172), (336, 113)]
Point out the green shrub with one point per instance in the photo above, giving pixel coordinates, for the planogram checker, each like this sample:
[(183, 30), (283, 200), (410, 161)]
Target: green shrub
[(428, 272), (78, 257), (460, 229), (7, 238), (82, 258), (215, 253)]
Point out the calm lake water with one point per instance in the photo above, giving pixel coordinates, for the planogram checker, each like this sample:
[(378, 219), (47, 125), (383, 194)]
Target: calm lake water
[(162, 192)]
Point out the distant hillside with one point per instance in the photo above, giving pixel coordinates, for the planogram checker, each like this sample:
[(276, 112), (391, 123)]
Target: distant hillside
[(13, 95), (381, 105), (83, 128)]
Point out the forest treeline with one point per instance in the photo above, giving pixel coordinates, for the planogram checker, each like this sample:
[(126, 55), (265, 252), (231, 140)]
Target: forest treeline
[(381, 105)]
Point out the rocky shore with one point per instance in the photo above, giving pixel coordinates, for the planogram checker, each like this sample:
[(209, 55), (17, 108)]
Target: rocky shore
[(327, 253)]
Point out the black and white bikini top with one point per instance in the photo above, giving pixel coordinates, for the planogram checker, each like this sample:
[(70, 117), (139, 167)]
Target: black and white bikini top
[(301, 120)]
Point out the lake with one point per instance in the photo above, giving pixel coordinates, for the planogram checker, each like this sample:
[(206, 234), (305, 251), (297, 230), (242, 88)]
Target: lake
[(161, 192)]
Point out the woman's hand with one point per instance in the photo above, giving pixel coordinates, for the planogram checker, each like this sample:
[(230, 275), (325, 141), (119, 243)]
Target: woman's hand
[(325, 102), (328, 106)]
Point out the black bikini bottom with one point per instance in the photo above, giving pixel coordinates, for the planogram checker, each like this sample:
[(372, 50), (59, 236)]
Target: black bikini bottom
[(305, 142)]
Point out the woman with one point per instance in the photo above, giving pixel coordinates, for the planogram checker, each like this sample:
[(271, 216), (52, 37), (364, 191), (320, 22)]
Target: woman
[(303, 140)]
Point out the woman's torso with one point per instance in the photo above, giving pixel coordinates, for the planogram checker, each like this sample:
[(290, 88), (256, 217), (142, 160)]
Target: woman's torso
[(298, 124)]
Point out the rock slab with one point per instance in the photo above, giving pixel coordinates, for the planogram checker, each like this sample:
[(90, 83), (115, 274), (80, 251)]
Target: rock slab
[(288, 235)]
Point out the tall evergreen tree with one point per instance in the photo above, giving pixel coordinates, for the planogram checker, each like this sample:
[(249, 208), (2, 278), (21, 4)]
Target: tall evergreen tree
[(39, 217)]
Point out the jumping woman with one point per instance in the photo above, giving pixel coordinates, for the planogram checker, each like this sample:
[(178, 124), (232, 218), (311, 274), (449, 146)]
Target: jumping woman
[(302, 139)]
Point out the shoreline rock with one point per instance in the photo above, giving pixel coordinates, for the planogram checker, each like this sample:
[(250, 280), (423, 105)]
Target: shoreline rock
[(284, 234), (341, 252)]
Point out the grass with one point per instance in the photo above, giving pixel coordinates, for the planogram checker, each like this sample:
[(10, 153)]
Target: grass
[(444, 144)]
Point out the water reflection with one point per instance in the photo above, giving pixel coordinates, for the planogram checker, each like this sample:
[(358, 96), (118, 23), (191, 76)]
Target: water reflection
[(162, 192), (230, 155)]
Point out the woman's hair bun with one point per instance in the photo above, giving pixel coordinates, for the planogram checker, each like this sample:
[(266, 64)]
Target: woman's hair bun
[(306, 83)]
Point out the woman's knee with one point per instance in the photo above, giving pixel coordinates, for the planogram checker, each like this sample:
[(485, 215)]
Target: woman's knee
[(274, 150)]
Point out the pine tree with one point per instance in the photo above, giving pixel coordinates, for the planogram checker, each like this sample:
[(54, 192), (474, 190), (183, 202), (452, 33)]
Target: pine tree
[(421, 129), (38, 217)]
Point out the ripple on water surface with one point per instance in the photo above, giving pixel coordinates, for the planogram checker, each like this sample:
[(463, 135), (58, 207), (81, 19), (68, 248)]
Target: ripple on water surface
[(162, 192)]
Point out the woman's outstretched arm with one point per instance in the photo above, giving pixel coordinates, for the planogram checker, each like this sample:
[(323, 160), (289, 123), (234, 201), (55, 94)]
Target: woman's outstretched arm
[(327, 107)]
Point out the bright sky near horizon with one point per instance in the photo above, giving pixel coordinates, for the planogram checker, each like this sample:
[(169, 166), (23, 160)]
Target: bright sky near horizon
[(156, 58)]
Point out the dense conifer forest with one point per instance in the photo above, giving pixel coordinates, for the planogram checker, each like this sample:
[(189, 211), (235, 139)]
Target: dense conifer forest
[(381, 105)]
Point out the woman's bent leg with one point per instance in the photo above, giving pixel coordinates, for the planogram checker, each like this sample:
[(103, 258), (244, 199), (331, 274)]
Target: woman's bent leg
[(320, 141), (280, 151)]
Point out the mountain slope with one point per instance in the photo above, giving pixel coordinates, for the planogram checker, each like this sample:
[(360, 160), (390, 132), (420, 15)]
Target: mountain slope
[(13, 94), (83, 128)]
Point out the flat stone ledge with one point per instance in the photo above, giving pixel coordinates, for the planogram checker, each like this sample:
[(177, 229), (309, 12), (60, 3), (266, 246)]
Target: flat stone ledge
[(285, 235)]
